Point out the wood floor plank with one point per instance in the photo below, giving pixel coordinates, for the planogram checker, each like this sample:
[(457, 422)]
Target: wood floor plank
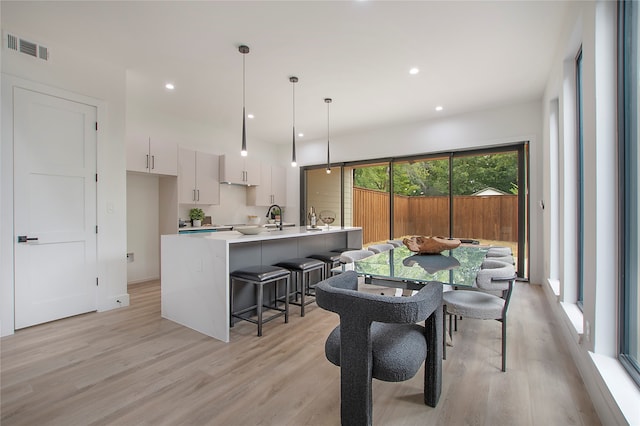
[(131, 367)]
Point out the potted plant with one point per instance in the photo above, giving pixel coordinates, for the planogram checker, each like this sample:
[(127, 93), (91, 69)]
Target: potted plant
[(275, 213), (196, 214)]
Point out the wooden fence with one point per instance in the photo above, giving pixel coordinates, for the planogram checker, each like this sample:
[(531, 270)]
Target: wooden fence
[(493, 217)]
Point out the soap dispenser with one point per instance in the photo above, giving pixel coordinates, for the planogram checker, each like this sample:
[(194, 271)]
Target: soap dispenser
[(313, 219)]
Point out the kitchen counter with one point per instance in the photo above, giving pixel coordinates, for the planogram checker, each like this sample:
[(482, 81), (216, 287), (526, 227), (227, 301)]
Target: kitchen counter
[(219, 228), (195, 268), (204, 228)]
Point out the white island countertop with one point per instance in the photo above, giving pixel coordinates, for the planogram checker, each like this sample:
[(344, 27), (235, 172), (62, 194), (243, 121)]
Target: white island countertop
[(195, 268), (233, 237)]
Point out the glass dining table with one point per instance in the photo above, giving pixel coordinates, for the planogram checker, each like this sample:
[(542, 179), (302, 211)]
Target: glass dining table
[(402, 268)]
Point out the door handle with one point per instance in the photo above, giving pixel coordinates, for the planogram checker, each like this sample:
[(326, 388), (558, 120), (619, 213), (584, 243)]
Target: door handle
[(24, 238)]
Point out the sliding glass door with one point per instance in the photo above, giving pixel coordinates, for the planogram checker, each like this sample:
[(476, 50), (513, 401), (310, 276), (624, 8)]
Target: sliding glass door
[(476, 195), (421, 197)]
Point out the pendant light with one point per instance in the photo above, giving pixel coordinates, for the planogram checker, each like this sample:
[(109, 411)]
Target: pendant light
[(293, 81), (328, 101), (244, 50)]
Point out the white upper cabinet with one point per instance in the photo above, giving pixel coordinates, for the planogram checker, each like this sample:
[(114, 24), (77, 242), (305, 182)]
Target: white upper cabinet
[(239, 170), (152, 155), (198, 177), (272, 188)]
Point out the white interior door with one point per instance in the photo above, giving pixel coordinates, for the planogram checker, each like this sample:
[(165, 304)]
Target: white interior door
[(54, 208)]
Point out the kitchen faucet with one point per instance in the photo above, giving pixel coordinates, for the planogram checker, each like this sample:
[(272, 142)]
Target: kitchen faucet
[(280, 210)]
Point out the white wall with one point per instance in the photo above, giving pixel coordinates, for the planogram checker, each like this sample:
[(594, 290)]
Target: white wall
[(143, 220), (70, 73), (591, 333)]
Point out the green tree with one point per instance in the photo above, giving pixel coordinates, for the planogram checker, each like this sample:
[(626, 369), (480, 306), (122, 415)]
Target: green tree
[(431, 177)]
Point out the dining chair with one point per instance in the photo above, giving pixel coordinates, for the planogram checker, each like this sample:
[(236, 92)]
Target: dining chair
[(498, 251), (348, 257), (379, 248), (483, 302), (505, 259), (395, 243), (351, 256), (378, 338)]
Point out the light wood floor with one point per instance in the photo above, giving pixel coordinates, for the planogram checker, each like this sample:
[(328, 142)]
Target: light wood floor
[(131, 367)]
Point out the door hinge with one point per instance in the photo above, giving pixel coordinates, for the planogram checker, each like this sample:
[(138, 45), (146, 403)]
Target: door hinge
[(96, 281), (96, 229)]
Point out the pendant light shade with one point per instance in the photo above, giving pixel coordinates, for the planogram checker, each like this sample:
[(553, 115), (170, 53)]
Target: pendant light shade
[(293, 81), (244, 50), (328, 170)]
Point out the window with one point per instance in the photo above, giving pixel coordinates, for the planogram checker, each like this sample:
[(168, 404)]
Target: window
[(580, 179), (629, 108), (475, 194)]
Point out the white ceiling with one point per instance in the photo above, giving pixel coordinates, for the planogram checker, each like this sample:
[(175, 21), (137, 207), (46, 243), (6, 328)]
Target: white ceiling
[(471, 55)]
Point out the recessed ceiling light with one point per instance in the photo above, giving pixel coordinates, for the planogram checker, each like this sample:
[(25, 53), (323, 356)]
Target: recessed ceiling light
[(300, 135), (439, 108), (169, 86), (249, 115), (414, 71)]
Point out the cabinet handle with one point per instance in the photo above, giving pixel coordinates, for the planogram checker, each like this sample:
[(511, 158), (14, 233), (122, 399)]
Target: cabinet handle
[(194, 195), (153, 161), (24, 239), (198, 199), (147, 166)]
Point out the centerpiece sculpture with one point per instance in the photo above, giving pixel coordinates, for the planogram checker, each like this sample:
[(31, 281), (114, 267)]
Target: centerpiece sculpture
[(430, 245)]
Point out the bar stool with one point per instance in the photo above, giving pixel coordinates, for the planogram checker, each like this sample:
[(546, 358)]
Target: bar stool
[(331, 260), (301, 268), (260, 276)]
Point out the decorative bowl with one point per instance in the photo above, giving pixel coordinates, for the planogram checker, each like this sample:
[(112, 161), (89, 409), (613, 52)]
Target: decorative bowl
[(430, 245), (249, 230)]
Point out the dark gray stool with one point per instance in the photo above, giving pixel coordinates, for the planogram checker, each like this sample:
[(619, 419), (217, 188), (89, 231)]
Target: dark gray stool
[(331, 260), (259, 276), (301, 268)]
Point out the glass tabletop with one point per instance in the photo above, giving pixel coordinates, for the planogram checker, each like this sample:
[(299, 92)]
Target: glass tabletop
[(455, 267)]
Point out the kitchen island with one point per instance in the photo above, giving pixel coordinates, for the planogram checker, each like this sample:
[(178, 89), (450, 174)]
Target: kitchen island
[(195, 268)]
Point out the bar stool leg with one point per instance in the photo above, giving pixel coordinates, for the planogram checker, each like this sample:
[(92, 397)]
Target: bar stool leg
[(259, 304), (286, 299), (303, 288)]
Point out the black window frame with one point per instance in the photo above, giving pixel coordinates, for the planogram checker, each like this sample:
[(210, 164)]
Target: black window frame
[(628, 176), (580, 181)]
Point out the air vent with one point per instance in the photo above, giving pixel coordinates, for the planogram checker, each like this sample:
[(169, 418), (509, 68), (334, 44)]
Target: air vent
[(12, 42), (43, 53), (27, 47)]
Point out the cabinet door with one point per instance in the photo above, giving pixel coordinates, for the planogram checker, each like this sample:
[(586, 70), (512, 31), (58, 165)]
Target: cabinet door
[(163, 157), (253, 172), (232, 169), (260, 195), (207, 183), (279, 185), (138, 159), (186, 176)]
